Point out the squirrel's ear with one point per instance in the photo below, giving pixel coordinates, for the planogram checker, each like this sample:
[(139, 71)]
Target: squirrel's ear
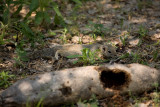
[(101, 48)]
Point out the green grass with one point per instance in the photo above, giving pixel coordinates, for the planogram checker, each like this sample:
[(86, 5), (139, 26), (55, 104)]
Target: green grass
[(5, 78)]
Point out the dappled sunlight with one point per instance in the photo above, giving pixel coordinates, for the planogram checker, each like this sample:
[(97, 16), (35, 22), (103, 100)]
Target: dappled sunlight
[(25, 87), (42, 79), (25, 10), (138, 20)]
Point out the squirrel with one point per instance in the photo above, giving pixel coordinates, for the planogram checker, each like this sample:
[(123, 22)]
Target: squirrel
[(105, 50), (75, 49)]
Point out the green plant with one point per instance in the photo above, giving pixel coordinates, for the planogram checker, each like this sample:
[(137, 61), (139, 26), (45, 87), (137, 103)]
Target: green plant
[(94, 37), (39, 104), (58, 19), (77, 6), (40, 8), (140, 4), (52, 33), (135, 98), (5, 78), (156, 97), (63, 37), (157, 43), (21, 54), (97, 29), (73, 30), (92, 102), (5, 4), (155, 54), (136, 57), (28, 33), (142, 31), (21, 26), (88, 57), (123, 40), (144, 3), (3, 29), (18, 26), (80, 40), (156, 85), (121, 23), (5, 18), (126, 55), (42, 15)]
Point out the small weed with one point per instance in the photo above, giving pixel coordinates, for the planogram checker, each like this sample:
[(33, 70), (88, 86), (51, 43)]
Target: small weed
[(157, 43), (42, 17), (25, 28), (94, 37), (21, 55), (156, 85), (133, 97), (3, 31), (156, 97), (77, 6), (88, 57), (124, 37), (39, 104), (155, 54), (140, 4), (5, 79), (135, 57), (97, 29), (18, 62), (73, 30), (93, 102), (144, 3), (121, 23), (142, 31), (51, 33), (138, 58), (58, 19), (63, 37), (80, 41), (126, 55)]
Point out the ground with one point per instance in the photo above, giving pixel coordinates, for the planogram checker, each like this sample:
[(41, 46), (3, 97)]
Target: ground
[(132, 26)]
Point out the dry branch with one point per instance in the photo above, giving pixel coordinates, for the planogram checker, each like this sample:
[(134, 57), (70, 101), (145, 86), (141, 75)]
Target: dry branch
[(70, 85)]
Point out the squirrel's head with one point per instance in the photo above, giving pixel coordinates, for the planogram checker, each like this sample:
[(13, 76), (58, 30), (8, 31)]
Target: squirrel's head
[(108, 51)]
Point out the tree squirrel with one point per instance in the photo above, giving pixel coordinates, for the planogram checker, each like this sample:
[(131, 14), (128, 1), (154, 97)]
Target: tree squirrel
[(75, 49)]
